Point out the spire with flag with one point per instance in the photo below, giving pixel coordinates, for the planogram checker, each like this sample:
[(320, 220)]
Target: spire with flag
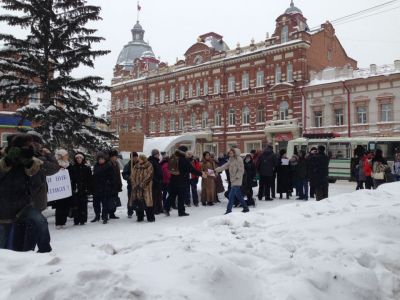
[(139, 8)]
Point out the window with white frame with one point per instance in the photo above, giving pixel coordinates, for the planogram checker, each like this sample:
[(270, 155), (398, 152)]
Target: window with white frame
[(339, 117), (217, 119), (245, 116), (126, 103), (152, 98), (34, 98), (4, 139), (172, 94), (278, 74), (152, 126), (362, 115), (204, 120), (232, 117), (245, 81), (217, 86), (386, 112), (162, 124), (190, 90), (193, 120), (285, 34), (138, 125), (283, 110), (253, 146), (289, 72), (260, 78), (182, 92), (261, 114), (181, 122), (172, 124), (117, 105), (198, 89), (162, 96), (318, 121), (231, 84), (205, 88)]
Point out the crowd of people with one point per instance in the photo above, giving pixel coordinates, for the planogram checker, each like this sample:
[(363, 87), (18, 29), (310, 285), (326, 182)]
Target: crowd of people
[(157, 184)]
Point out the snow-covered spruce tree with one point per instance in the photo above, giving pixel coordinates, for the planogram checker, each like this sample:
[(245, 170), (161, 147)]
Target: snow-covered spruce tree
[(56, 42)]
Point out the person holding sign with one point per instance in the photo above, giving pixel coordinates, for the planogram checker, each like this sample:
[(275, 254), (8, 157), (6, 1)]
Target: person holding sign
[(283, 178), (208, 166)]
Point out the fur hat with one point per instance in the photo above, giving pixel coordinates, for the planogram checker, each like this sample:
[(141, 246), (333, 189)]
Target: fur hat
[(113, 153), (37, 137), (321, 148)]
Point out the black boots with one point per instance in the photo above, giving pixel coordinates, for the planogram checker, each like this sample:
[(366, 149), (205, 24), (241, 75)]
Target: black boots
[(96, 219)]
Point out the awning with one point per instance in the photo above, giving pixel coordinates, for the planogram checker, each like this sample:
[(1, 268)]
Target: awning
[(13, 121), (167, 143), (196, 102)]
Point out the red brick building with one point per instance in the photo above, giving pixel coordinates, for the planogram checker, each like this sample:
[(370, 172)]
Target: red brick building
[(247, 96)]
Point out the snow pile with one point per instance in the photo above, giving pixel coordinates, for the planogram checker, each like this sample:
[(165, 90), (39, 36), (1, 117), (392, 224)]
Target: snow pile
[(346, 247)]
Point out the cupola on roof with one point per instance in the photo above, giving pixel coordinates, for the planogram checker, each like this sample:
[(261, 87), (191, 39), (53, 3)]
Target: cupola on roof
[(293, 9)]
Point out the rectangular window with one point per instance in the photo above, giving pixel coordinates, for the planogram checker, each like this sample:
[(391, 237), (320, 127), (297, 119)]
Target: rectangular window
[(34, 98), (217, 119), (152, 98), (181, 122), (253, 146), (232, 117), (190, 90), (339, 117), (152, 126), (217, 86), (162, 125), (318, 119), (4, 139), (361, 115), (289, 72), (205, 88), (172, 125), (245, 81), (162, 96), (182, 92), (386, 112), (198, 88), (278, 74), (231, 84), (172, 94), (260, 78)]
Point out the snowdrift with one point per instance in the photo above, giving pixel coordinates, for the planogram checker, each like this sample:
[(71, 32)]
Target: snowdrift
[(346, 247)]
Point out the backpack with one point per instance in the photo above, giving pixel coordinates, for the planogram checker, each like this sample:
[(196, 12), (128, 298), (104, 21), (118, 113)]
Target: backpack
[(173, 165)]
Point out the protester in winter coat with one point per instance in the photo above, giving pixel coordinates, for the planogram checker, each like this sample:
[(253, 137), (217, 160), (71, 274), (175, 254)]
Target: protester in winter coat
[(180, 182), (103, 188), (302, 176), (249, 180), (267, 163), (208, 166), (126, 175), (319, 173), (62, 206), (294, 180), (142, 190), (81, 183), (312, 153), (283, 172), (154, 159), (117, 184), (396, 167), (379, 168), (16, 168), (166, 179), (194, 180), (236, 171)]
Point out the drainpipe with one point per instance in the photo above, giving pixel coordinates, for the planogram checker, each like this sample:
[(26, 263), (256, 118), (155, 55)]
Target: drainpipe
[(304, 109), (348, 109)]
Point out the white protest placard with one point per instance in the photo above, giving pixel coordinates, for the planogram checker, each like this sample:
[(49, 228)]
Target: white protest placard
[(59, 186), (285, 161)]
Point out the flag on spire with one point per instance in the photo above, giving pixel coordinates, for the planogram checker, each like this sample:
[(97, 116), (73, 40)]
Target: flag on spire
[(139, 8)]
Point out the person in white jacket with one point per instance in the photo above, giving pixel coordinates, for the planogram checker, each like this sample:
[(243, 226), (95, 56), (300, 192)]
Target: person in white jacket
[(236, 172)]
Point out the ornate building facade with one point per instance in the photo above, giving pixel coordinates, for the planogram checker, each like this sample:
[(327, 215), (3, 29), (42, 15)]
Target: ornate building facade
[(248, 96)]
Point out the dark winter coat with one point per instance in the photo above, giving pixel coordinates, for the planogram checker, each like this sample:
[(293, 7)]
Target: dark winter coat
[(117, 182), (302, 169), (318, 169), (283, 177), (39, 182), (185, 169), (103, 179), (157, 171), (126, 174), (81, 180), (250, 172), (15, 189), (267, 163)]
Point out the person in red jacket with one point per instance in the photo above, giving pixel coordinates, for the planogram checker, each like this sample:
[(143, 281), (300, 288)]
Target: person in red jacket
[(194, 180), (366, 162), (165, 181)]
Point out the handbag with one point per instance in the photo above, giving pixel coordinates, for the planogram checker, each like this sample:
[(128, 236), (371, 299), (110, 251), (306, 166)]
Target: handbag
[(378, 176)]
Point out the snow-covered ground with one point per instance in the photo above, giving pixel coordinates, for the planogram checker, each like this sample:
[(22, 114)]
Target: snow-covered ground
[(346, 247)]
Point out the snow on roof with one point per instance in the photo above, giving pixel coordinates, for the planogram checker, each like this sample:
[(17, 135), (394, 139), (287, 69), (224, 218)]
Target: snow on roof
[(165, 143), (331, 75)]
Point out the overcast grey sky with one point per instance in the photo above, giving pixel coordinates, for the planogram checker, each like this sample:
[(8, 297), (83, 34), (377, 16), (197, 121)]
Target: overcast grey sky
[(172, 26)]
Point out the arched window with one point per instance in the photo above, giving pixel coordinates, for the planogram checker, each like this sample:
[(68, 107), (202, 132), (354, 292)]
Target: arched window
[(261, 114), (217, 118), (193, 118), (285, 34), (204, 120), (283, 110), (245, 116), (232, 117)]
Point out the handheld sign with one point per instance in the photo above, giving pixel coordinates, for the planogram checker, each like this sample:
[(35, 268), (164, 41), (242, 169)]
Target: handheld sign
[(59, 186), (131, 142)]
